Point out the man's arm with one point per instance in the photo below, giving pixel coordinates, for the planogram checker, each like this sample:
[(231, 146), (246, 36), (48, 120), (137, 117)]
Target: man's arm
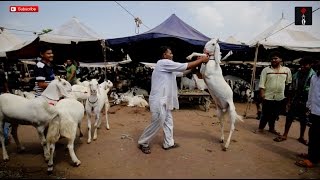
[(262, 83), (73, 73), (42, 84), (193, 64)]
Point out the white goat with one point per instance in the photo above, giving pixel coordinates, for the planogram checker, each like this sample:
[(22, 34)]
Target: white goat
[(188, 83), (97, 100), (36, 112), (132, 100), (116, 98), (71, 113), (200, 83), (80, 92), (218, 87), (25, 94), (139, 91), (137, 101)]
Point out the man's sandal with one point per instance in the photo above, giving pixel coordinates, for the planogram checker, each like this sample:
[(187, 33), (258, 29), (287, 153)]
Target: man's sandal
[(175, 145), (304, 163), (144, 149), (303, 155)]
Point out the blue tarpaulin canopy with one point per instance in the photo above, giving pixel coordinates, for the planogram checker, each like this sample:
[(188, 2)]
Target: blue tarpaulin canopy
[(172, 27), (173, 32), (176, 28)]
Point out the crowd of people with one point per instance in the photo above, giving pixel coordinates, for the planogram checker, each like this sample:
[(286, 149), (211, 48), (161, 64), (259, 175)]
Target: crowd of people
[(275, 85), (301, 91)]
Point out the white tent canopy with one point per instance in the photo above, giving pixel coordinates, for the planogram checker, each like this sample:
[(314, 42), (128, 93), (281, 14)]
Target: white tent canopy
[(7, 41), (232, 40), (299, 38), (73, 30)]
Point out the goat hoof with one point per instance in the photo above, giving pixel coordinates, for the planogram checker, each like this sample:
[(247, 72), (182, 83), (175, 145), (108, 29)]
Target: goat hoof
[(221, 141), (224, 149), (49, 172), (76, 164), (21, 149), (6, 159), (88, 142)]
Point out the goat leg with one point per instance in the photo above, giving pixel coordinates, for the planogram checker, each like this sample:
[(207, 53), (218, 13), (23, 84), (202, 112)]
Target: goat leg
[(107, 106), (75, 160), (89, 127), (51, 148), (16, 139), (96, 125), (43, 140)]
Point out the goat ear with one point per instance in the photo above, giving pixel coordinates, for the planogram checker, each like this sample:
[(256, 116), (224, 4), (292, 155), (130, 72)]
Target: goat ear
[(59, 78)]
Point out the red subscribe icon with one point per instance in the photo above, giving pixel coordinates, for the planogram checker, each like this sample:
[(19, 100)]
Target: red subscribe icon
[(24, 9)]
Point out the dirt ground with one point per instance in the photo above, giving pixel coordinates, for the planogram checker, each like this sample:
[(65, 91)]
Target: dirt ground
[(200, 156)]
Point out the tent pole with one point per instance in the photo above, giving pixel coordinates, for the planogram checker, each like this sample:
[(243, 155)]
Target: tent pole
[(253, 76), (103, 45)]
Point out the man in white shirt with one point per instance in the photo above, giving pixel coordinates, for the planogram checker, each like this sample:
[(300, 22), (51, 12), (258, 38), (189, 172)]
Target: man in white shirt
[(313, 104), (164, 98)]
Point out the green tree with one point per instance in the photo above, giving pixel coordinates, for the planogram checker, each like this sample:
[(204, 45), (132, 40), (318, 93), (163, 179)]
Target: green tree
[(44, 31)]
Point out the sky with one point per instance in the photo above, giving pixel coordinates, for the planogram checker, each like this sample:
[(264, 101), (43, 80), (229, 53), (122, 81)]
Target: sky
[(241, 19)]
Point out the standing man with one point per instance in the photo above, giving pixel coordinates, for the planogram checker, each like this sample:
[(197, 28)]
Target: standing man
[(313, 104), (300, 90), (44, 69), (273, 82), (164, 98), (71, 72), (4, 88)]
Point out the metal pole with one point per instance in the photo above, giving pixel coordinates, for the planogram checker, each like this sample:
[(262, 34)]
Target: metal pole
[(253, 76), (103, 45)]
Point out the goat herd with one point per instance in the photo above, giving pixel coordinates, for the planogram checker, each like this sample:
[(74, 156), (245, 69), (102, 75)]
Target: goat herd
[(62, 118)]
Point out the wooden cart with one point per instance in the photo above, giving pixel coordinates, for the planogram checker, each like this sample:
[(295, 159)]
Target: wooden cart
[(202, 96)]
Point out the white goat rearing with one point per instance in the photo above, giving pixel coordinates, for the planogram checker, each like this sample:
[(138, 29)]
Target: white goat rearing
[(218, 87)]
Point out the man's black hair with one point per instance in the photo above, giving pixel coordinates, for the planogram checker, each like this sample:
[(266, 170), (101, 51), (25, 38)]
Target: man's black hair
[(306, 60), (44, 47), (275, 54), (163, 49)]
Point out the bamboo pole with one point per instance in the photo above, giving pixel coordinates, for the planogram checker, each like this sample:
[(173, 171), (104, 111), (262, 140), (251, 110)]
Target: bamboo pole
[(103, 45), (253, 76)]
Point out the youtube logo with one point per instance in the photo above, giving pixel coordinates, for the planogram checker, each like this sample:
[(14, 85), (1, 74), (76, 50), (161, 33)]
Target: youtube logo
[(24, 9), (13, 8)]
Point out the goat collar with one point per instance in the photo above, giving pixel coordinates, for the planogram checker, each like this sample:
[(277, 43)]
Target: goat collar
[(52, 102), (92, 102)]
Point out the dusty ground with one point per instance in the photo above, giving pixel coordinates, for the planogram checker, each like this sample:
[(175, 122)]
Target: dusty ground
[(249, 156)]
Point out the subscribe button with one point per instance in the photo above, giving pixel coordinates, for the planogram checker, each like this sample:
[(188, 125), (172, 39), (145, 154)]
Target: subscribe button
[(24, 9)]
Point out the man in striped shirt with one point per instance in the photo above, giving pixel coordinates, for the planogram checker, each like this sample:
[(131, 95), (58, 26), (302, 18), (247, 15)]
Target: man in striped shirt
[(273, 82), (44, 70)]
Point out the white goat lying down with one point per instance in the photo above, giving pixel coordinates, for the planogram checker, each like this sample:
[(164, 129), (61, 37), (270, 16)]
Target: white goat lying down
[(128, 97), (36, 112), (71, 113), (187, 83), (97, 100), (137, 100), (218, 87)]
